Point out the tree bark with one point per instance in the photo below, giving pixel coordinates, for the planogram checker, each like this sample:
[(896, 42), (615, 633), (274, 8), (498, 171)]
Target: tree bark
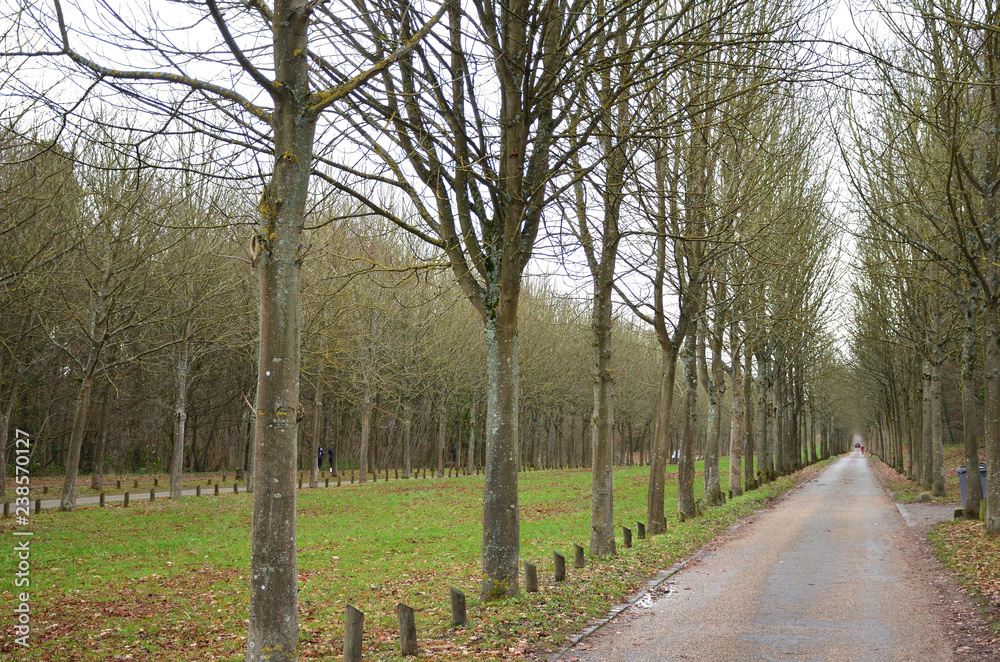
[(501, 516), (317, 434), (991, 415), (407, 439), (97, 480), (366, 427), (602, 524), (655, 517), (180, 419), (927, 438), (970, 418), (736, 428), (685, 469), (442, 435)]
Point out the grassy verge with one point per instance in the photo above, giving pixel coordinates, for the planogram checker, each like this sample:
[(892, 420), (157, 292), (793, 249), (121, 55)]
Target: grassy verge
[(962, 546), (168, 581), (905, 490)]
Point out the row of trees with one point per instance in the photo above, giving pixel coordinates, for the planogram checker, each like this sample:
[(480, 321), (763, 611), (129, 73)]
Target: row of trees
[(662, 156), (925, 171)]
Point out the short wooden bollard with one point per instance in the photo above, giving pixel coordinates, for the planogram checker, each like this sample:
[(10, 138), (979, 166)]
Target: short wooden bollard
[(125, 501), (6, 509), (352, 476), (396, 472), (530, 577), (216, 489), (45, 489), (135, 483), (38, 506), (156, 482), (627, 534), (118, 484), (102, 499), (458, 613), (387, 474), (338, 480), (560, 561), (425, 472), (642, 530), (223, 478), (578, 559), (354, 626), (300, 482), (328, 482), (197, 490), (236, 488), (407, 630), (152, 494)]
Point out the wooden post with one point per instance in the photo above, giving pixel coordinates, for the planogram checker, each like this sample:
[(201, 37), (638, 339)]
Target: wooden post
[(425, 472), (578, 559), (300, 483), (407, 630), (135, 483), (6, 509), (152, 494), (354, 626), (118, 484), (102, 499), (458, 613), (627, 534), (216, 489), (397, 473), (236, 488), (352, 476), (327, 481), (642, 530), (197, 489), (45, 489), (530, 577), (125, 501), (560, 561), (38, 506), (387, 474), (224, 477), (338, 480), (156, 482)]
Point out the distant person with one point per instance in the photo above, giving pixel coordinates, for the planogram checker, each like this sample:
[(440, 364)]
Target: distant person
[(330, 452), (454, 455), (320, 465)]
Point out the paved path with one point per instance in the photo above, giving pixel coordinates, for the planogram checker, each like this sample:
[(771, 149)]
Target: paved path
[(823, 576)]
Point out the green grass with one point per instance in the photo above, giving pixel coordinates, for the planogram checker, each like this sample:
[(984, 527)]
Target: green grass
[(168, 580), (905, 490)]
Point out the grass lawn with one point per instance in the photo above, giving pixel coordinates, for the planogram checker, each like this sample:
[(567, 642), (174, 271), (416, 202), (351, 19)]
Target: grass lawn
[(907, 491), (168, 581)]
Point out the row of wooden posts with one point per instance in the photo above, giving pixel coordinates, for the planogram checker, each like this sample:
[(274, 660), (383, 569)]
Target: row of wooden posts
[(354, 619), (236, 488)]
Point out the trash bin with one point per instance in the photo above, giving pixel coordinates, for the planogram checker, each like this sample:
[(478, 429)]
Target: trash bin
[(962, 471)]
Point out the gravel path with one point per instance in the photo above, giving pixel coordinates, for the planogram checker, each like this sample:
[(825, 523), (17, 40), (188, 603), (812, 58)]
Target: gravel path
[(829, 574)]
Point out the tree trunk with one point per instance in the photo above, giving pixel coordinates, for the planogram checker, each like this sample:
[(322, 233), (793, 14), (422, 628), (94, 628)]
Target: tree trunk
[(366, 427), (407, 439), (180, 419), (471, 464), (442, 435), (970, 418), (68, 499), (749, 442), (602, 516), (685, 469), (927, 439), (501, 517), (655, 518), (97, 480), (991, 415), (736, 428), (317, 434), (938, 434)]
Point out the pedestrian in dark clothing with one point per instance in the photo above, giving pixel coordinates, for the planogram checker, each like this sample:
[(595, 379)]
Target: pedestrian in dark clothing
[(320, 465), (330, 451)]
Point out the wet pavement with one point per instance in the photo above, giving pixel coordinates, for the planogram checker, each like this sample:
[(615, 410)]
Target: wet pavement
[(825, 575)]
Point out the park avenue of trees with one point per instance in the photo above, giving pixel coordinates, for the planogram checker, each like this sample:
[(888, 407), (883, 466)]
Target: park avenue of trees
[(497, 235)]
